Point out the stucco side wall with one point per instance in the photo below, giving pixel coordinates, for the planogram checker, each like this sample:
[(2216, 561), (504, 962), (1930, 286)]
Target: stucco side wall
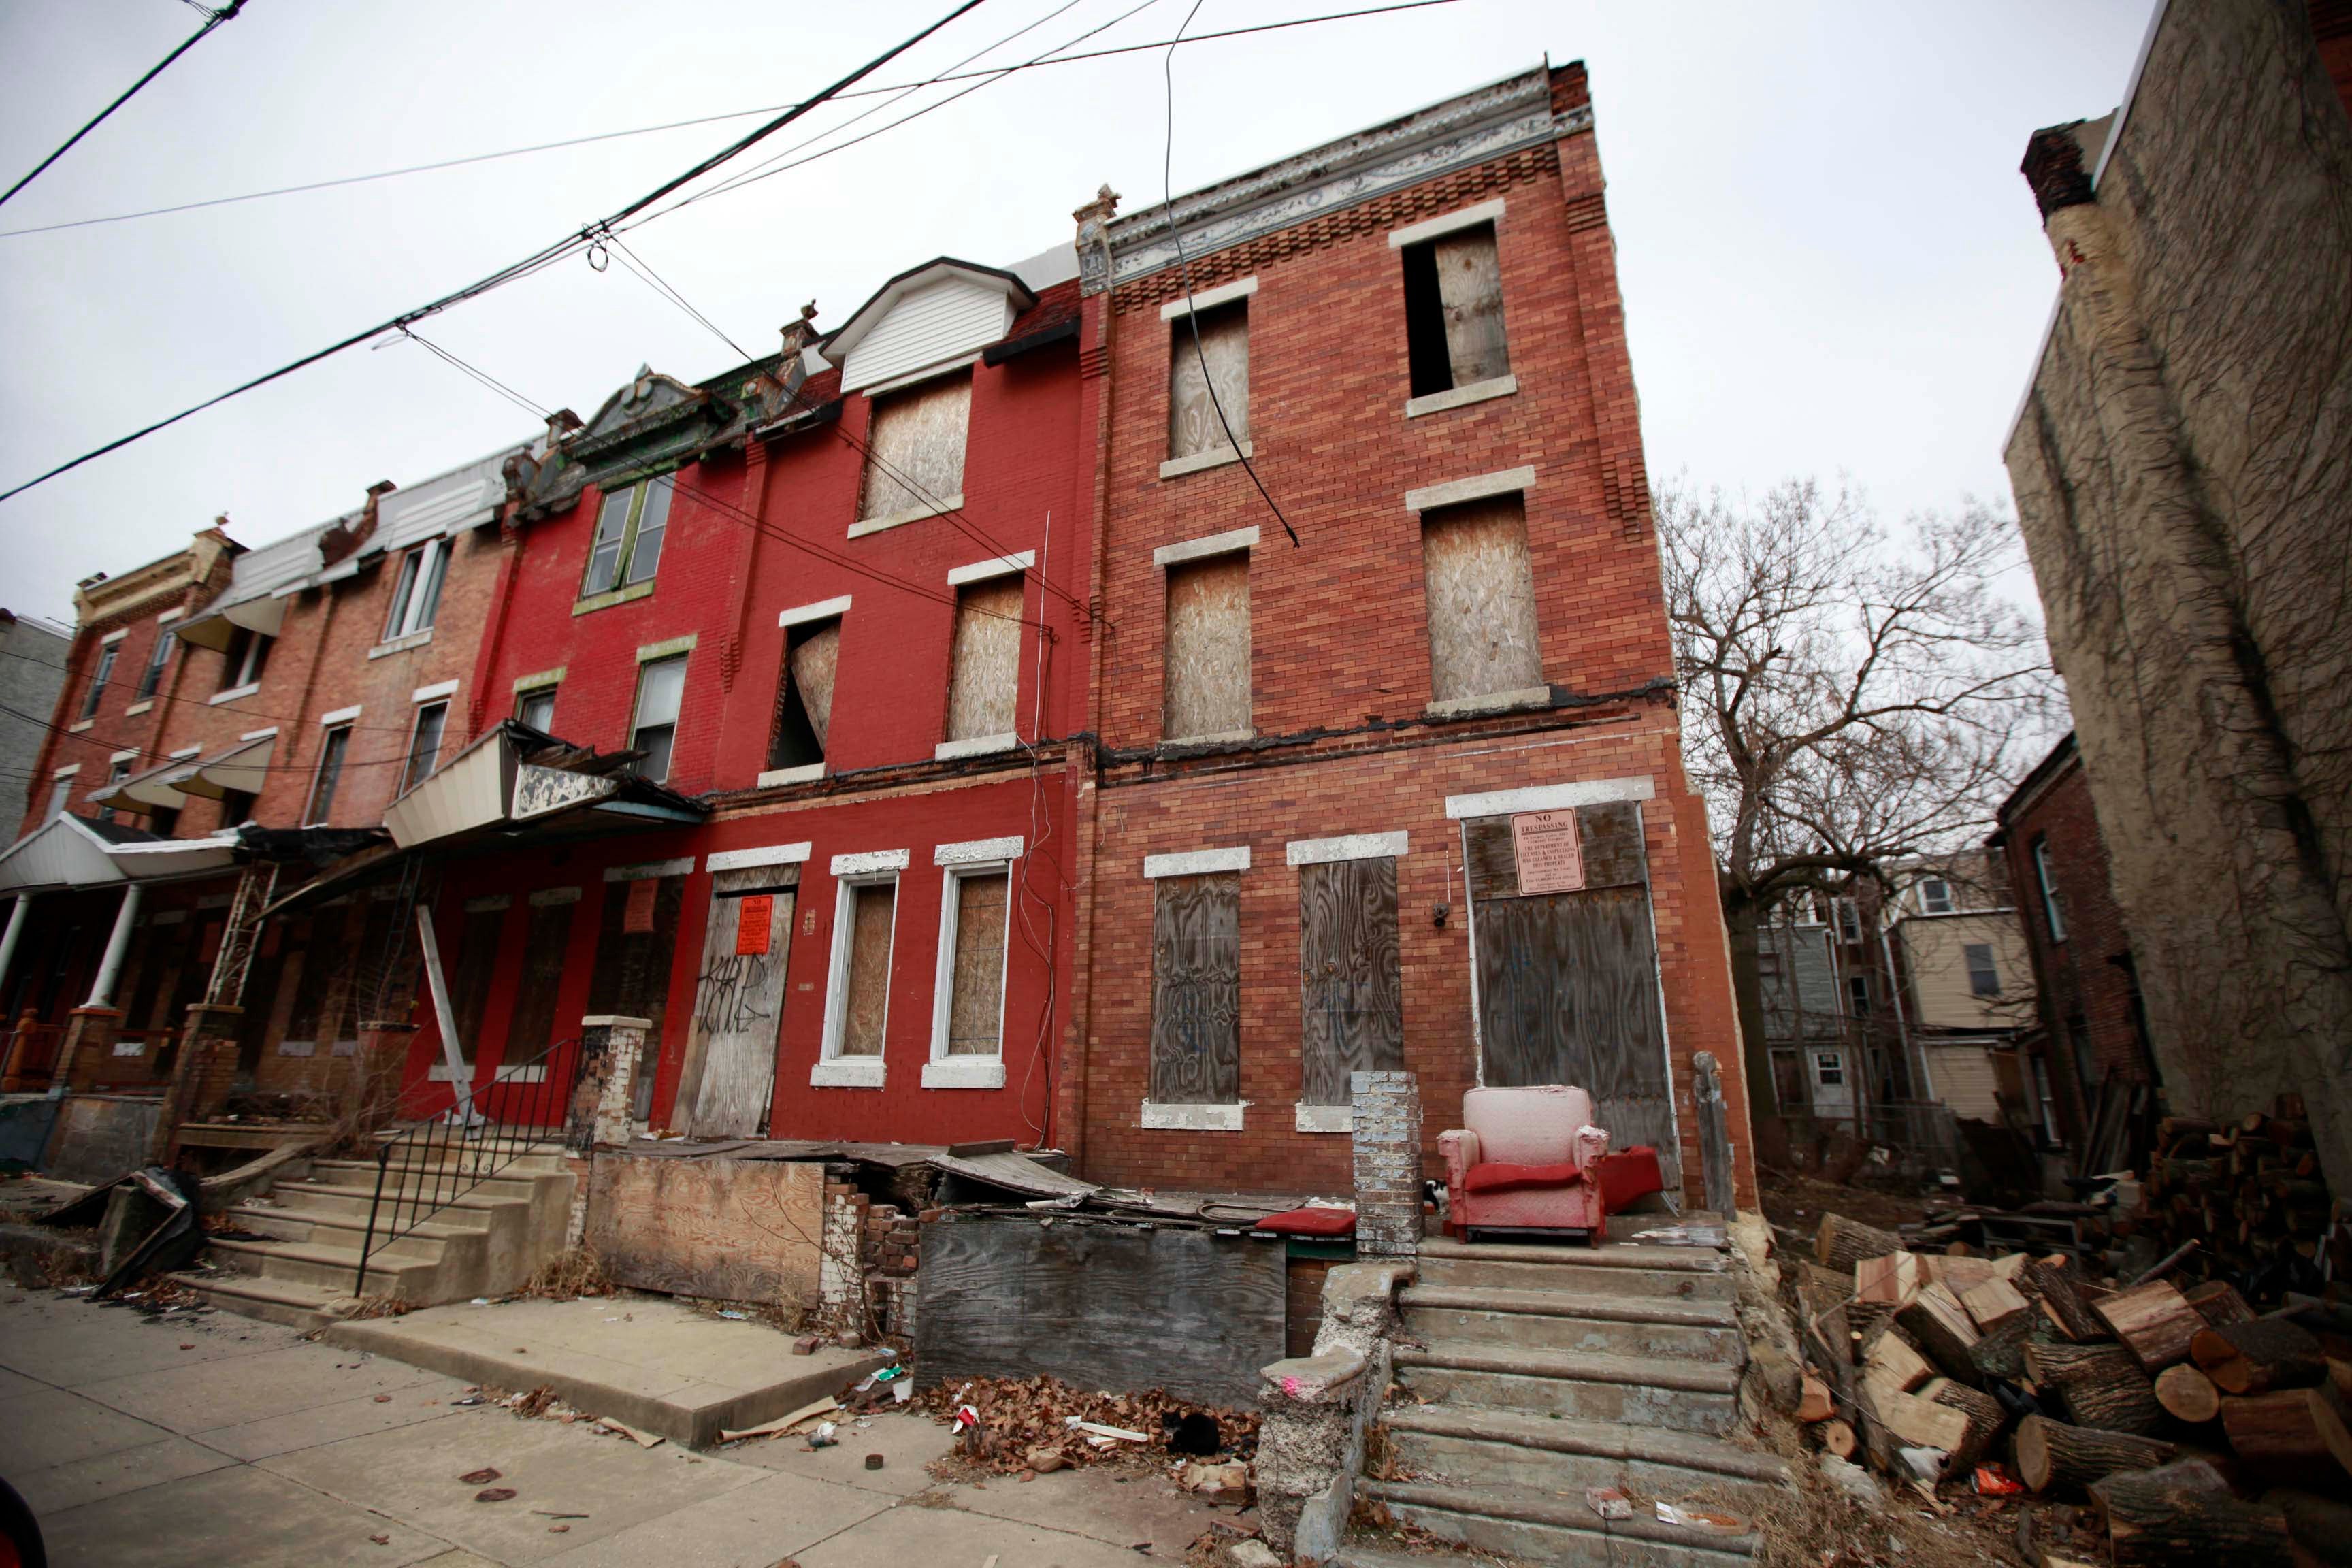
[(2179, 468)]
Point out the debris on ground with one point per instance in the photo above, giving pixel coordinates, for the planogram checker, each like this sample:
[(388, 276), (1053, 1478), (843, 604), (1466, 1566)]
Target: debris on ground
[(1026, 1424)]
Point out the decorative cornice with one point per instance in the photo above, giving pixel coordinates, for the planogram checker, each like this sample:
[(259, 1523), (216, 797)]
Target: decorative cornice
[(1473, 128)]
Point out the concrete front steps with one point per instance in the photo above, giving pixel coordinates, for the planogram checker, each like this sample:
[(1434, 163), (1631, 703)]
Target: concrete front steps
[(1528, 1373), (463, 1235)]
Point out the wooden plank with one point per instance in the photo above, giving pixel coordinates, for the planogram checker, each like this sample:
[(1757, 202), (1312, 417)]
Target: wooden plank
[(1481, 589), (736, 1230), (1610, 833), (1196, 984), (1098, 1305), (1568, 993), (1351, 992), (984, 683), (873, 907), (730, 1072), (1207, 680), (804, 694), (976, 984), (1194, 426), (915, 448), (1470, 286)]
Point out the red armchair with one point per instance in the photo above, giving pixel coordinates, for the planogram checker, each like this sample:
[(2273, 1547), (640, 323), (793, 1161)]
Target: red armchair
[(1530, 1159)]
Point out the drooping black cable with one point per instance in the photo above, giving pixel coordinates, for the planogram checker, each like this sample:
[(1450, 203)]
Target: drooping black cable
[(226, 12), (542, 257), (1191, 316)]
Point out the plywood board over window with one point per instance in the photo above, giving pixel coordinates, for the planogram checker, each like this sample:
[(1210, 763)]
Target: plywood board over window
[(1483, 640), (873, 906), (1218, 359), (985, 685), (1568, 983), (1208, 658), (914, 459), (1470, 286), (976, 995), (805, 696), (1351, 990), (1196, 990)]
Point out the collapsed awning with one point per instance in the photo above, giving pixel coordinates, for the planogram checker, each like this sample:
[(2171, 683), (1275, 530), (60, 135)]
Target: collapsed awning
[(243, 767), (514, 779), (264, 613)]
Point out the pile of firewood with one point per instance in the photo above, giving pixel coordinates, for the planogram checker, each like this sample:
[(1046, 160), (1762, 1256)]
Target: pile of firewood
[(2193, 1424), (2248, 1196)]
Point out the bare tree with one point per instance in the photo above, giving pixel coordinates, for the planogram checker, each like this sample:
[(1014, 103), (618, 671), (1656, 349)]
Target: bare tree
[(1849, 700)]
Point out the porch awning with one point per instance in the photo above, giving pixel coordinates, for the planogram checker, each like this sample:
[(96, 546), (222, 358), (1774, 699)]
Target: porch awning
[(150, 789), (243, 767), (168, 858), (514, 780), (264, 613), (74, 852)]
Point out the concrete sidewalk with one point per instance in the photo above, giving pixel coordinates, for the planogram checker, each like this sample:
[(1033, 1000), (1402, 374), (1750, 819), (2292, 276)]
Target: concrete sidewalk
[(215, 1440)]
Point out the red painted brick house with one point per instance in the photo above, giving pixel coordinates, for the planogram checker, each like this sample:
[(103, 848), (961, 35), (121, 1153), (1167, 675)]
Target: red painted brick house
[(1328, 767)]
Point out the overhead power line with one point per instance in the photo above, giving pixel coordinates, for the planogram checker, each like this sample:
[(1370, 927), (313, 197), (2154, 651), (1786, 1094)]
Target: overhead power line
[(214, 19), (545, 256)]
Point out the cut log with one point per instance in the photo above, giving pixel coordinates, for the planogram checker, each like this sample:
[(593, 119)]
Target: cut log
[(2187, 1393), (2154, 1322), (1843, 1243), (2259, 1355), (1814, 1404), (2294, 1437), (1890, 1281), (2101, 1386), (2218, 1302), (1999, 1354), (2061, 1303), (2321, 1526), (1986, 1418), (1837, 1437), (1895, 1363), (1956, 1274), (1993, 1303), (2173, 1515), (2052, 1455), (1940, 1325), (1919, 1422)]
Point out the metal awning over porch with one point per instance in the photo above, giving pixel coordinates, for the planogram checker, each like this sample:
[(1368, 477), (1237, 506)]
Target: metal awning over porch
[(514, 780), (243, 767), (72, 852)]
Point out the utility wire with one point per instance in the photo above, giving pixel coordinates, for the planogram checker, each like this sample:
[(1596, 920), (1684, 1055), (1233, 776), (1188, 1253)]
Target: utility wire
[(500, 388), (1193, 316), (215, 18), (544, 257), (459, 163)]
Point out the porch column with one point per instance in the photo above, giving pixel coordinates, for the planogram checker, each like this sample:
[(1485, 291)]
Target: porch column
[(109, 968), (9, 938)]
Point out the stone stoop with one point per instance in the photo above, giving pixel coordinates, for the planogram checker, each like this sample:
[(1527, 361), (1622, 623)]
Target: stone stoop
[(1527, 1373), (299, 1252)]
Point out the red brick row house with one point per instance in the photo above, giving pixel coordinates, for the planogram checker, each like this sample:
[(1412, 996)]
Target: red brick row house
[(935, 731)]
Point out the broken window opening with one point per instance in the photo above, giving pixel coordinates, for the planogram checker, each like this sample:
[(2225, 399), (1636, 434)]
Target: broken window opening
[(804, 694), (424, 745), (1222, 347), (536, 709), (1453, 311), (1207, 660), (248, 656), (913, 450), (985, 681)]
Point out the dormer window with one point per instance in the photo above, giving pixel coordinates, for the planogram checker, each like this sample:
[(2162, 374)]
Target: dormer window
[(416, 594), (628, 545)]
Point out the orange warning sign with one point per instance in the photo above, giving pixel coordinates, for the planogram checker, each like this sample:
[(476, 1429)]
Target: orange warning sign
[(754, 921)]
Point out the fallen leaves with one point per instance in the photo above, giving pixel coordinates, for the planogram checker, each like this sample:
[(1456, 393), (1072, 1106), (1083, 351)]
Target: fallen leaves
[(1026, 1424)]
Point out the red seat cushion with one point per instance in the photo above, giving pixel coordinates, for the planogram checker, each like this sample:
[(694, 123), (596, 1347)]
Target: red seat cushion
[(1497, 1177), (1310, 1222), (1625, 1174)]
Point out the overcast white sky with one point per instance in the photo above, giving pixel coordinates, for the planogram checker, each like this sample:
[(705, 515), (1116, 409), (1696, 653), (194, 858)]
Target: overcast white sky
[(1830, 262)]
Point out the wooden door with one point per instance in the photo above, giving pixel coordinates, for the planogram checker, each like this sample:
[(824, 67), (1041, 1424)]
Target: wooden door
[(1568, 983), (729, 1073), (1350, 996)]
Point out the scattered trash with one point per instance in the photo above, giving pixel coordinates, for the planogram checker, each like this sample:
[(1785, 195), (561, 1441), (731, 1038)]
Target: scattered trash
[(559, 1529), (873, 1461), (1994, 1480), (824, 1436), (1700, 1518), (730, 1312), (1112, 1434), (480, 1478), (379, 1399), (1227, 1482), (806, 1344), (644, 1439), (482, 1300), (1046, 1461), (495, 1494), (469, 1399), (782, 1423), (1683, 1236), (1927, 1464), (900, 1393), (1609, 1502), (381, 1540), (556, 1513)]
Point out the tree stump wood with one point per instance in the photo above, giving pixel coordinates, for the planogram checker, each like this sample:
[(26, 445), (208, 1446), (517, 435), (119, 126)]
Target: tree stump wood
[(2185, 1513), (2294, 1437), (2187, 1394), (2101, 1385), (2259, 1355), (2154, 1322), (2061, 1303), (2051, 1455), (1842, 1243), (2218, 1302)]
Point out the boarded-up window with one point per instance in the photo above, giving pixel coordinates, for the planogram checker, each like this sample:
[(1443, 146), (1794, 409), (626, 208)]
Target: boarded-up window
[(631, 977), (986, 681), (975, 978), (1218, 360), (865, 968), (321, 961), (1453, 311), (1351, 993), (530, 1027), (914, 457), (1482, 600), (1208, 661), (804, 694), (1196, 990)]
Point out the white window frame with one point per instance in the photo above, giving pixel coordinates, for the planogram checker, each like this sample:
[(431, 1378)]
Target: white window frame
[(649, 658), (61, 784), (1943, 895), (1991, 967), (1826, 1063), (978, 858), (875, 869), (2050, 911), (407, 616), (440, 744)]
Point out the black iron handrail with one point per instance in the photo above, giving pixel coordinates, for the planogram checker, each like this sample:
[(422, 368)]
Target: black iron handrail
[(435, 1162)]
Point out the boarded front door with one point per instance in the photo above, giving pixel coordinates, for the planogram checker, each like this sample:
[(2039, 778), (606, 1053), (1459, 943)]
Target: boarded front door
[(731, 1057), (1567, 982), (1351, 1001), (634, 943)]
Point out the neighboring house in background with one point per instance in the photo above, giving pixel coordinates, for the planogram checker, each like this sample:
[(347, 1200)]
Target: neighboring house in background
[(1964, 982), (2093, 1029), (1806, 1023), (33, 656), (2180, 463)]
